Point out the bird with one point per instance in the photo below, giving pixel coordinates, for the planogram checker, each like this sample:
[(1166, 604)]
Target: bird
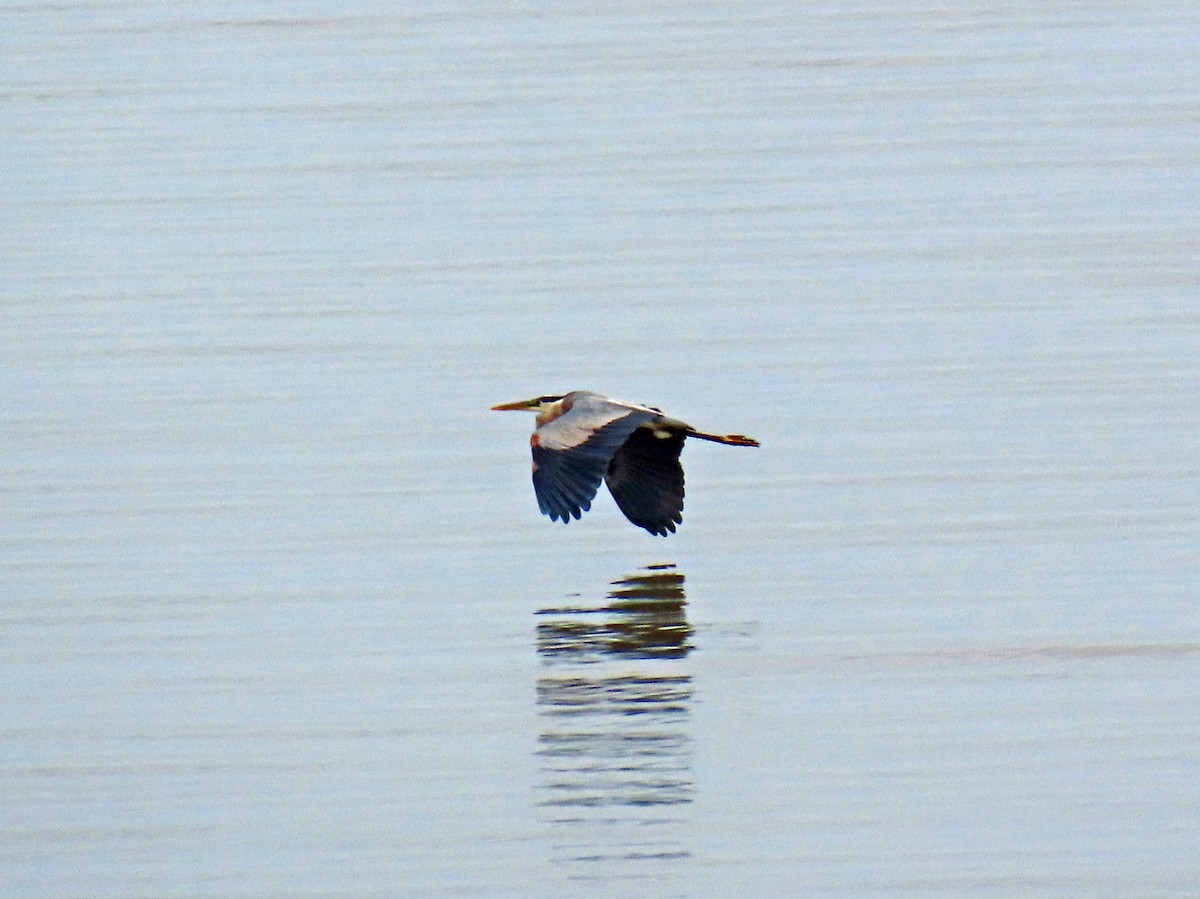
[(583, 437)]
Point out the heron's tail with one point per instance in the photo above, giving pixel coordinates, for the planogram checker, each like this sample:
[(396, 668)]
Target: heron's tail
[(729, 439)]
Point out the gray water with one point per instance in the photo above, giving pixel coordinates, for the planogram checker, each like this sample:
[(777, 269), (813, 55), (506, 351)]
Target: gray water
[(279, 615)]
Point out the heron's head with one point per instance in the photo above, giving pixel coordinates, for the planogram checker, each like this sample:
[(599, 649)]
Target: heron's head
[(538, 404)]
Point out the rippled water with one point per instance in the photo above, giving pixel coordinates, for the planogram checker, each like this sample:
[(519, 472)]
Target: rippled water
[(279, 615)]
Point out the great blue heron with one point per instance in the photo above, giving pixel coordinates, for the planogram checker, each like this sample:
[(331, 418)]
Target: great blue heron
[(584, 437)]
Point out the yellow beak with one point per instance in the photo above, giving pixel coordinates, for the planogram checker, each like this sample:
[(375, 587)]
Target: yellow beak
[(520, 406)]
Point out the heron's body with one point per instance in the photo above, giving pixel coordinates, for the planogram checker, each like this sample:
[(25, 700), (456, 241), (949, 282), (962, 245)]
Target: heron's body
[(582, 438)]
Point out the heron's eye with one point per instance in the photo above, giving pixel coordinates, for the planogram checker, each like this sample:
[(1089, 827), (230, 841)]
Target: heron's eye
[(549, 399)]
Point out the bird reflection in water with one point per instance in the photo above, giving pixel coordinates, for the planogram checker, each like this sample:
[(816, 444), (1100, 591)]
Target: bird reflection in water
[(643, 619), (615, 742)]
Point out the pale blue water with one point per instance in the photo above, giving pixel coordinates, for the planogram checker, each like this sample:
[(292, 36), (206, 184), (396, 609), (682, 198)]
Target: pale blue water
[(278, 614)]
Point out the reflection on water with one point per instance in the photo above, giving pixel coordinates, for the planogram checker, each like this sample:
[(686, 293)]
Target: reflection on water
[(614, 745), (643, 618)]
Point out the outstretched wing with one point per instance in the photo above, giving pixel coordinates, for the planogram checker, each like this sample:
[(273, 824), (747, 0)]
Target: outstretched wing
[(646, 479), (571, 454)]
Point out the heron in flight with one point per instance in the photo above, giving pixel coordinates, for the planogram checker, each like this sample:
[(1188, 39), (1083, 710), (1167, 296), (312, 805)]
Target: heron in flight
[(584, 437)]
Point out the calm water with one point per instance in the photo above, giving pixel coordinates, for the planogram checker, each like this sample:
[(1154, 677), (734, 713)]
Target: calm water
[(278, 615)]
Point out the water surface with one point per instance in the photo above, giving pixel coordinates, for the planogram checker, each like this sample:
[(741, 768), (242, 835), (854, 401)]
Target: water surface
[(280, 615)]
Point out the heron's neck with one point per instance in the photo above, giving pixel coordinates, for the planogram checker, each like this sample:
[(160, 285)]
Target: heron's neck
[(553, 411)]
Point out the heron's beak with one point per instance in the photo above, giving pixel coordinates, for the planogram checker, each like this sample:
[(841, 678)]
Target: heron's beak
[(520, 406)]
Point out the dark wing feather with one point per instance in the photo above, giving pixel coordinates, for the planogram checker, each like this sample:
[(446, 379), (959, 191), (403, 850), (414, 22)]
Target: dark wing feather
[(646, 479), (566, 480)]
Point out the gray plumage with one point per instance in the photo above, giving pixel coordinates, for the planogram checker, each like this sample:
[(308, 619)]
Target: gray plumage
[(583, 438)]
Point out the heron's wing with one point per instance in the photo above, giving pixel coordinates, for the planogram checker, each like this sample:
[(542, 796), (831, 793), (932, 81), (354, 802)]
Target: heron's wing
[(646, 479), (572, 452)]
